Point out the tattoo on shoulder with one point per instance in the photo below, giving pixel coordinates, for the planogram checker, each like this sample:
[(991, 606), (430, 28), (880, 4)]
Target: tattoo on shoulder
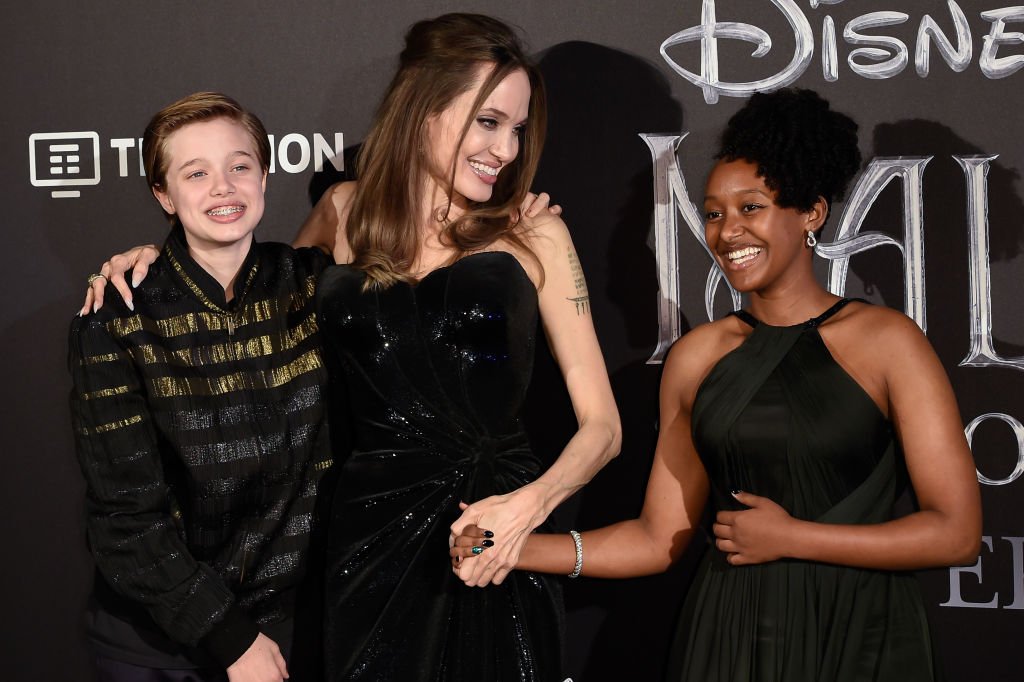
[(582, 298)]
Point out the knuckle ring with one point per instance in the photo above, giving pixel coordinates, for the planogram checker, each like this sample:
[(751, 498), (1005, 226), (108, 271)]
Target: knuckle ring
[(95, 276)]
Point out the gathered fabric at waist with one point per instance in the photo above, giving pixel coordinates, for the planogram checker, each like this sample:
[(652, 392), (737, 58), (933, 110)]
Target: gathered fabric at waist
[(407, 458)]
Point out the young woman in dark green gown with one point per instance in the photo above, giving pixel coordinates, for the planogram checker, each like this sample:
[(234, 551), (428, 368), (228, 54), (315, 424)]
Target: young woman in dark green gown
[(800, 421)]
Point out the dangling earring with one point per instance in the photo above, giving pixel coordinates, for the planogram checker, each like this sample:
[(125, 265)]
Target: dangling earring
[(812, 241)]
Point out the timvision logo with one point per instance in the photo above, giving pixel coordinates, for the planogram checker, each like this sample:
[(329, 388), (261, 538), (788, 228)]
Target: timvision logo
[(68, 161), (64, 160)]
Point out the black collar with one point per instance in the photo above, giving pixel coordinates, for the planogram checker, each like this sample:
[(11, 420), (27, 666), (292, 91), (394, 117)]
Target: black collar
[(201, 283)]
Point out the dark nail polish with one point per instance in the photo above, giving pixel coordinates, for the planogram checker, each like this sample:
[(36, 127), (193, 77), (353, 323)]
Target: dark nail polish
[(734, 492), (478, 550), (488, 543), (488, 534)]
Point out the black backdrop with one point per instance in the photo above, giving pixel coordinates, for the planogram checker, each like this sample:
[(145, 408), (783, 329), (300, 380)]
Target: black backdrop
[(81, 80)]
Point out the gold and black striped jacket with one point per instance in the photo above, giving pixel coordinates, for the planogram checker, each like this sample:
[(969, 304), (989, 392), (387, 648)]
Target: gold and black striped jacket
[(200, 428)]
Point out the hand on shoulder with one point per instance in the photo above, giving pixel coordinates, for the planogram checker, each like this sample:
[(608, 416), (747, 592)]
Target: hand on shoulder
[(544, 233), (136, 261)]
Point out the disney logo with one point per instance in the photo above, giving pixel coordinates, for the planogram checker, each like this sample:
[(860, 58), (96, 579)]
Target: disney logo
[(878, 57)]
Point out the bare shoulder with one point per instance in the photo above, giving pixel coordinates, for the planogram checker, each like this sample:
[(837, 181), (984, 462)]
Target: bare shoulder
[(695, 354), (879, 317), (891, 333), (549, 243), (880, 348), (705, 344)]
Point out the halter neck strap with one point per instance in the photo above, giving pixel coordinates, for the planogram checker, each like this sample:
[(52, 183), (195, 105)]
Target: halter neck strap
[(813, 322)]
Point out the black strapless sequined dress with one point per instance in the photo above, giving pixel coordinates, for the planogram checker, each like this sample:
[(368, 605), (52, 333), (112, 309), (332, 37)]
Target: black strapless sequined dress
[(436, 376), (778, 417)]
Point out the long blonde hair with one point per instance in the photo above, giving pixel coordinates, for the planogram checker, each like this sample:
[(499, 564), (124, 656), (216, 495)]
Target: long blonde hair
[(442, 59)]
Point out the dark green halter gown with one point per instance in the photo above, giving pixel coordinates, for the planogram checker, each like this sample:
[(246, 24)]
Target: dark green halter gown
[(778, 417)]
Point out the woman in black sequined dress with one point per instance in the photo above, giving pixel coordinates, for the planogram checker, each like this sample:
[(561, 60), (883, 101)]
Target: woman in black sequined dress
[(431, 318)]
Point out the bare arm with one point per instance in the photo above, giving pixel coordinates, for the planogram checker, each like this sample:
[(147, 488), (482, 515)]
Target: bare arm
[(565, 312), (676, 494), (677, 490), (326, 222), (945, 530), (323, 228), (569, 326)]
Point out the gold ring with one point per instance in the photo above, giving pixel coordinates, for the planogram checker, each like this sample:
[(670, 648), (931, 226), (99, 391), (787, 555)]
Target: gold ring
[(95, 276)]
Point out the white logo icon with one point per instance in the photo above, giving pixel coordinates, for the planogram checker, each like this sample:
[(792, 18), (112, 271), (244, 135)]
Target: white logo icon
[(64, 160)]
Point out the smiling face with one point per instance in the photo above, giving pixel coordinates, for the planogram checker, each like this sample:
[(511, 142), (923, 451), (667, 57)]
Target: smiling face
[(758, 244), (214, 183), (491, 142)]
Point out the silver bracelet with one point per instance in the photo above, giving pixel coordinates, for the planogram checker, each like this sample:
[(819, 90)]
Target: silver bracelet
[(577, 540)]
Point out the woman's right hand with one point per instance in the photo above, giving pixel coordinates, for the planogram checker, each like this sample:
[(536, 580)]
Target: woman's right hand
[(137, 260)]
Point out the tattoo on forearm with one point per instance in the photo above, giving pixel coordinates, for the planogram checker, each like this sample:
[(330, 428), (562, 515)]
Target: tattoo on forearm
[(582, 297), (582, 304)]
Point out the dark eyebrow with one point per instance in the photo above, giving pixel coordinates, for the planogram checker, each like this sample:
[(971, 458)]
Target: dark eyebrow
[(752, 190), (199, 160), (499, 114)]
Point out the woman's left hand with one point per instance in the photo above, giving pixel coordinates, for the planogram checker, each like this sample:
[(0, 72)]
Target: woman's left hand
[(510, 518), (753, 536)]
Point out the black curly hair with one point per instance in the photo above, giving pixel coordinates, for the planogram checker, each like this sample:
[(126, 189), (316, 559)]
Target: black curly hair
[(802, 148)]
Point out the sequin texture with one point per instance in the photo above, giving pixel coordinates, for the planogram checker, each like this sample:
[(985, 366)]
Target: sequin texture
[(436, 376)]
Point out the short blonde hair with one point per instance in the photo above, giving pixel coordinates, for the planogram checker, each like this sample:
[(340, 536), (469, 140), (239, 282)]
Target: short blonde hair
[(196, 108)]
